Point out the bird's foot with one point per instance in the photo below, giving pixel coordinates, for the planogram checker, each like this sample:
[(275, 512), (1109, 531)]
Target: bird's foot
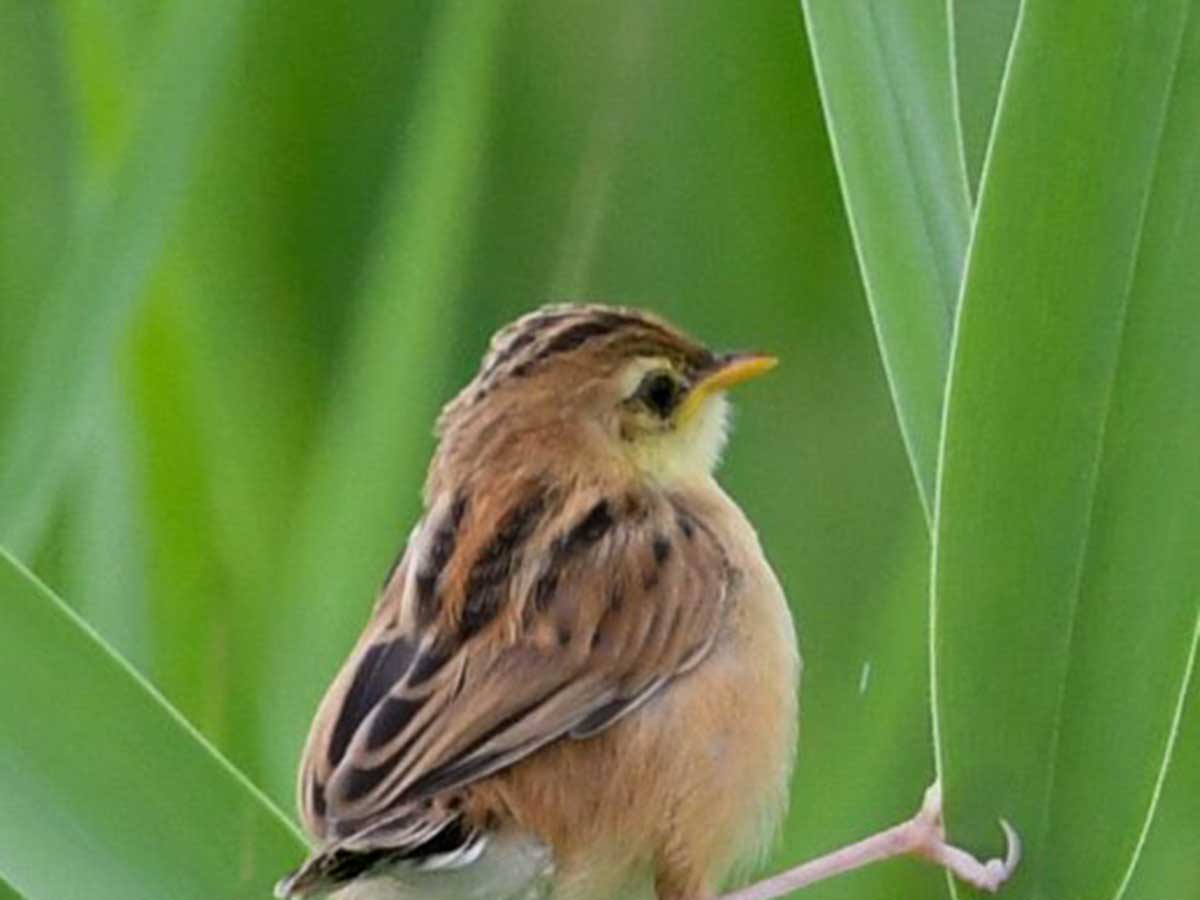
[(927, 833), (923, 836)]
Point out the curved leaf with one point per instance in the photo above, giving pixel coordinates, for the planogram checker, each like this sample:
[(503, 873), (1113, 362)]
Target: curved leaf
[(108, 793), (1066, 580), (886, 87)]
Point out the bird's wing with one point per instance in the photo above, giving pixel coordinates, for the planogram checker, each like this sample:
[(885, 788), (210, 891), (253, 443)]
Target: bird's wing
[(556, 622)]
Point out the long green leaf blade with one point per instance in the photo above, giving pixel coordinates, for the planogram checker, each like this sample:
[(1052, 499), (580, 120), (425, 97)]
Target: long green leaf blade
[(886, 85), (108, 793), (1069, 502)]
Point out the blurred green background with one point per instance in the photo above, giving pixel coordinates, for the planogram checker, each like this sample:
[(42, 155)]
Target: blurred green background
[(363, 194), (247, 250)]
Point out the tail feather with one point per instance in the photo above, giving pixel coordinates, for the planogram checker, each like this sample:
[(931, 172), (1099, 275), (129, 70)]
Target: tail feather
[(362, 855), (331, 869)]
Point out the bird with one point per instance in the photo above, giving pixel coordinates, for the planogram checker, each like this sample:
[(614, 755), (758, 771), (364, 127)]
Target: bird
[(580, 679)]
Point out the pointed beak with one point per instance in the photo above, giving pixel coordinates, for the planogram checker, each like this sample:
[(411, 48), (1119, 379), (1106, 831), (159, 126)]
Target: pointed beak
[(730, 369)]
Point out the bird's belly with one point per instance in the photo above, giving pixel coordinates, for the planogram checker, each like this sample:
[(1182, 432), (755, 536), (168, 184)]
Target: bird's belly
[(743, 708), (668, 801), (700, 782)]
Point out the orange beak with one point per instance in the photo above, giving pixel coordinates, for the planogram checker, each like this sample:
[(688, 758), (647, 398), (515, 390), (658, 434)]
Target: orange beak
[(731, 369)]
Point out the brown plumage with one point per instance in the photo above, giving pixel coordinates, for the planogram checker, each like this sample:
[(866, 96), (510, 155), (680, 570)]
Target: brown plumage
[(579, 682)]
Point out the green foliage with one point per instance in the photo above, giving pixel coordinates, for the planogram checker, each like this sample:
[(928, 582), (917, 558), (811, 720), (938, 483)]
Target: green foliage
[(885, 74), (1069, 478), (114, 240), (247, 250), (980, 35), (104, 785)]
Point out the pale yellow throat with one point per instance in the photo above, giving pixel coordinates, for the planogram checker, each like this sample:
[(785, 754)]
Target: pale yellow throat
[(692, 449), (689, 451)]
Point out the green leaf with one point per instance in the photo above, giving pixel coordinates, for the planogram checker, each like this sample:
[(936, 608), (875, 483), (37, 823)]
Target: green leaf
[(363, 490), (120, 238), (108, 793), (1066, 612), (980, 35), (886, 85), (1169, 865)]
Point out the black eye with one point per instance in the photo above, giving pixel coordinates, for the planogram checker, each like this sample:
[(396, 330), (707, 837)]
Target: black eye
[(660, 392)]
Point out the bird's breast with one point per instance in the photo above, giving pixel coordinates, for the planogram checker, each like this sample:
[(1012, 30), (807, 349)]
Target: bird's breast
[(699, 777), (743, 703)]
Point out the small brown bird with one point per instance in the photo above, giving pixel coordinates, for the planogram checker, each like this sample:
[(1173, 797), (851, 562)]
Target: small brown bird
[(580, 680)]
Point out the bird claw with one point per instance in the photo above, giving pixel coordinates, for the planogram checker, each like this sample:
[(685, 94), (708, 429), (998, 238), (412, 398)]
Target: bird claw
[(1012, 854), (930, 843), (924, 836)]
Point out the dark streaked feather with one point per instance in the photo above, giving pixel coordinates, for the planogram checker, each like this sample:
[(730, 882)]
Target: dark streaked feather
[(382, 666), (627, 616)]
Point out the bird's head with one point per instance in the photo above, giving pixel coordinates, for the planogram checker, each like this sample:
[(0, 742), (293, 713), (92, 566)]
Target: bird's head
[(597, 386)]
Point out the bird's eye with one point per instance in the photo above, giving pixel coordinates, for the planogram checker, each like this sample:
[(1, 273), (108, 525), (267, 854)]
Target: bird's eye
[(660, 392)]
